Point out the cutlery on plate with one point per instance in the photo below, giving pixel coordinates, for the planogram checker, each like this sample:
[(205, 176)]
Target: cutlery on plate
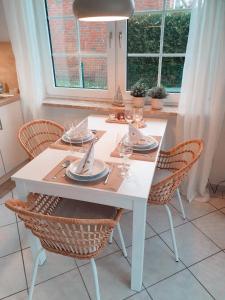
[(64, 165), (107, 178)]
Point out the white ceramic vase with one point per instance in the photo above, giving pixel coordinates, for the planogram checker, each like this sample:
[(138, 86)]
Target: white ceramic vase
[(138, 102), (157, 103)]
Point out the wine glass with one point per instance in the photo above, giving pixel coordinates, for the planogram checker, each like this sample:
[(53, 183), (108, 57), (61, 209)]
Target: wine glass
[(68, 125), (126, 150), (138, 116), (128, 114)]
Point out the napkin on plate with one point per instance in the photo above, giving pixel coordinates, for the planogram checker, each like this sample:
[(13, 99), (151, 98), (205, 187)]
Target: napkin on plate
[(80, 130), (136, 136), (87, 162)]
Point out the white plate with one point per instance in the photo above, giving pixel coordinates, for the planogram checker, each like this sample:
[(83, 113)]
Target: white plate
[(93, 179), (147, 149), (146, 144), (98, 168), (86, 139)]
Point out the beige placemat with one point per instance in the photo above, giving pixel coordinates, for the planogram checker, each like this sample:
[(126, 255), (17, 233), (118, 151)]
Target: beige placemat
[(148, 156), (114, 181), (61, 145), (142, 124)]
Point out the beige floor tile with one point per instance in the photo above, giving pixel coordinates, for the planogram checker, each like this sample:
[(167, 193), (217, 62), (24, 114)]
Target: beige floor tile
[(110, 248), (12, 278), (114, 277), (55, 265), (159, 261), (180, 286), (193, 209), (211, 273), (140, 296), (68, 286), (19, 296), (193, 246), (9, 239), (24, 235), (6, 216), (6, 197), (217, 202), (157, 218), (213, 225), (126, 224)]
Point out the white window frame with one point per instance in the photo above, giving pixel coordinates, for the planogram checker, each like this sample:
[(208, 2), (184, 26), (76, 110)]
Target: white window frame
[(48, 69), (121, 29), (116, 62)]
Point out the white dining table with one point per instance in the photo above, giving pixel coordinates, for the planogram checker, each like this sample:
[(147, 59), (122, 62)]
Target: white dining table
[(132, 194)]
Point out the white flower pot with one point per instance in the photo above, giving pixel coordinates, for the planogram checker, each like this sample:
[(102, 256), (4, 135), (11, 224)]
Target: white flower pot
[(157, 103), (138, 102)]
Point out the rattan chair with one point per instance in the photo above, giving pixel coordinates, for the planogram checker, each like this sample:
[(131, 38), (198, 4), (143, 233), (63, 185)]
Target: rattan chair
[(172, 167), (71, 228), (37, 135)]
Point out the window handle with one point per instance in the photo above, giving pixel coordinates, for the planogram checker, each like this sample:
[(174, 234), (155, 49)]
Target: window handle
[(110, 38), (120, 39)]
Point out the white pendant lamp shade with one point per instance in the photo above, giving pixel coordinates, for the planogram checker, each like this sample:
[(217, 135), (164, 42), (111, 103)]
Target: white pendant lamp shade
[(103, 10)]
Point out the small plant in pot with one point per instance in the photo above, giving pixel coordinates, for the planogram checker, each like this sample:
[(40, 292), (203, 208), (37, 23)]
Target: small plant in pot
[(138, 91), (158, 94)]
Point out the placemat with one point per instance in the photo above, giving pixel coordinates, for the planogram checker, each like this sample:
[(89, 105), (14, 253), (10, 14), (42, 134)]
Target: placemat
[(61, 145), (142, 124), (114, 181), (149, 156)]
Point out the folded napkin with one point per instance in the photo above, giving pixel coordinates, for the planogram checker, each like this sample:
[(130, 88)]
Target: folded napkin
[(86, 163), (135, 135), (80, 130)]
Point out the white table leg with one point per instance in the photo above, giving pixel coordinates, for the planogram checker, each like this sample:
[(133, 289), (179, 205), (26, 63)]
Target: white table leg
[(21, 193), (138, 243)]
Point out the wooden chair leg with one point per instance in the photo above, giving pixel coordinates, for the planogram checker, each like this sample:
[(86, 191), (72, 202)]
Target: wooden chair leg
[(122, 240)]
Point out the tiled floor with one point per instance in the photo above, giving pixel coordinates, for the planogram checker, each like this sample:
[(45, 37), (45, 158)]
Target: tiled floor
[(198, 276)]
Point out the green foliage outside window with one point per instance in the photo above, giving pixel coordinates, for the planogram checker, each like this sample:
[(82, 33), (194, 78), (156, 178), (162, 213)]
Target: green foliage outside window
[(144, 37)]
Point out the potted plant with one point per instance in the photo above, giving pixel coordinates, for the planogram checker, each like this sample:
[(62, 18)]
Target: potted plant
[(138, 91), (157, 94)]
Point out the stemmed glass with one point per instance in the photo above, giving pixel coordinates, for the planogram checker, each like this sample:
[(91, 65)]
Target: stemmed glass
[(128, 114), (138, 116), (126, 150), (68, 125)]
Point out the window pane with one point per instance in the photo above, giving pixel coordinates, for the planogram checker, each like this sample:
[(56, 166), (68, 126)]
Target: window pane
[(176, 32), (63, 35), (59, 7), (172, 71), (178, 4), (144, 33), (66, 69), (145, 68), (141, 5), (94, 73), (93, 37), (79, 50)]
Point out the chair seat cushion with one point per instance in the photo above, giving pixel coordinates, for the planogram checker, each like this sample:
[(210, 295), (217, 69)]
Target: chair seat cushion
[(83, 210), (160, 174)]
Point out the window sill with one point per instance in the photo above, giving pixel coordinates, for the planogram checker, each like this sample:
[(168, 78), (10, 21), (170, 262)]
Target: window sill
[(106, 107)]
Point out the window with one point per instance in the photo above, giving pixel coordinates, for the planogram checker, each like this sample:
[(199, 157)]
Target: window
[(156, 43), (89, 60)]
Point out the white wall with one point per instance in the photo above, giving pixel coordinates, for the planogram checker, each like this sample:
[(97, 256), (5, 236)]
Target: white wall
[(4, 35)]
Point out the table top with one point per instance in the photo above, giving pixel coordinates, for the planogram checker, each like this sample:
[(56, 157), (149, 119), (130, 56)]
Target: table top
[(134, 188)]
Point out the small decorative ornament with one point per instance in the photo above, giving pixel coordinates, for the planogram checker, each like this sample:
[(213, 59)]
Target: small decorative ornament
[(118, 99)]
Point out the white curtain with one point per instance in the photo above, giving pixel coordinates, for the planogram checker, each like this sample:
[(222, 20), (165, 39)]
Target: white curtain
[(202, 102), (22, 31)]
